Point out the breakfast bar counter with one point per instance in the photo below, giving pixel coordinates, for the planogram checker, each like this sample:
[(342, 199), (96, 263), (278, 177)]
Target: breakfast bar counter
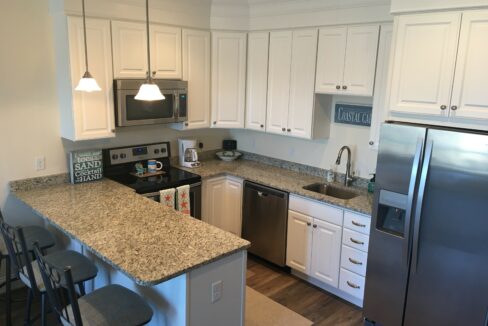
[(135, 238)]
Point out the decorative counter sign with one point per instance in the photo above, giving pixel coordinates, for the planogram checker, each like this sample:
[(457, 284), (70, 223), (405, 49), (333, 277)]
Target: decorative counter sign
[(85, 166), (351, 114)]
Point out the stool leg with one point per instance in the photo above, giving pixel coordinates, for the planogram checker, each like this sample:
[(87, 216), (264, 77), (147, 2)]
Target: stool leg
[(28, 308), (43, 309), (8, 304), (82, 289)]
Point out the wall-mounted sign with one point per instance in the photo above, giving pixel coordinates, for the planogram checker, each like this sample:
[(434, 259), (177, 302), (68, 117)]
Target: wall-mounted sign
[(352, 114), (85, 166)]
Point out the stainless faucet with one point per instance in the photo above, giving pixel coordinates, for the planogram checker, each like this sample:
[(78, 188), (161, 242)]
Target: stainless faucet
[(347, 179)]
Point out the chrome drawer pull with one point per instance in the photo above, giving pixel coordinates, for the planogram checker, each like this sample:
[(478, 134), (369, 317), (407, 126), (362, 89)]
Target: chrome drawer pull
[(354, 286), (358, 224), (355, 261), (356, 241)]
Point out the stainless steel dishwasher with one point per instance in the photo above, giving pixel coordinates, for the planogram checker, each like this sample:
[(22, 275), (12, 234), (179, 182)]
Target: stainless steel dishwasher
[(264, 221)]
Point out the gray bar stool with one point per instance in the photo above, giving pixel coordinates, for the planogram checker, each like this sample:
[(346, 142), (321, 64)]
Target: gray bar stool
[(107, 306), (33, 234), (28, 272)]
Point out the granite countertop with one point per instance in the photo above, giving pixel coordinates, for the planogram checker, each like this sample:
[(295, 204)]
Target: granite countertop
[(147, 241), (283, 179)]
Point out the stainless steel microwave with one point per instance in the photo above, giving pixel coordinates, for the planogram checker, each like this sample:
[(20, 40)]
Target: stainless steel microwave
[(132, 112)]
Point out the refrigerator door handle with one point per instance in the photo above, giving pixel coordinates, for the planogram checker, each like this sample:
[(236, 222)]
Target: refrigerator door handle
[(420, 200), (411, 193)]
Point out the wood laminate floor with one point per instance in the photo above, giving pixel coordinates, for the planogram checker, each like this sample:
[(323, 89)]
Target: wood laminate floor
[(320, 307), (305, 299)]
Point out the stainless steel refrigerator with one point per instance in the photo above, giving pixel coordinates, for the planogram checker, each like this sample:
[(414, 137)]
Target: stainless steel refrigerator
[(428, 252)]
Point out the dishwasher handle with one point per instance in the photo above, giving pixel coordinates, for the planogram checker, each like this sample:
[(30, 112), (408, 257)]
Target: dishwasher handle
[(264, 191), (262, 194)]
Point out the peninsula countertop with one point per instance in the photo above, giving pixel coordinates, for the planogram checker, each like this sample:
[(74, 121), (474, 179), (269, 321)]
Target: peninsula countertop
[(147, 241), (282, 179)]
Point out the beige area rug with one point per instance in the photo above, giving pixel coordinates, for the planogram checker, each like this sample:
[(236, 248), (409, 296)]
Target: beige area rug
[(262, 311)]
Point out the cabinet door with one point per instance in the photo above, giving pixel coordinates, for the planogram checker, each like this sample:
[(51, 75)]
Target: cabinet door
[(360, 64), (257, 80), (330, 60), (129, 49), (196, 70), (470, 93), (380, 110), (423, 63), (326, 252), (299, 242), (233, 216), (93, 113), (165, 51), (214, 208), (280, 45), (228, 79), (302, 80)]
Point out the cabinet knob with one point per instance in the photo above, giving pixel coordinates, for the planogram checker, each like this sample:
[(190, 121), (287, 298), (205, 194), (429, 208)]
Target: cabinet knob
[(338, 86), (112, 130), (371, 142), (289, 130), (154, 73), (283, 129), (308, 223), (315, 226), (454, 107), (262, 126), (344, 87), (215, 122), (186, 124), (443, 107)]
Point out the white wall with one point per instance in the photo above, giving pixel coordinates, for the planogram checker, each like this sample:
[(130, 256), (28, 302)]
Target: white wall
[(29, 118), (319, 153), (398, 6)]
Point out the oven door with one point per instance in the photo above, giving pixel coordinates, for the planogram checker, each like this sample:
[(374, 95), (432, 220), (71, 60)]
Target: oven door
[(132, 112), (195, 199)]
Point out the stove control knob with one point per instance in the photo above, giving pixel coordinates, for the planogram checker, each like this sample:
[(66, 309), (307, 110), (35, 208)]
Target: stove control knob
[(123, 156), (156, 151), (115, 156)]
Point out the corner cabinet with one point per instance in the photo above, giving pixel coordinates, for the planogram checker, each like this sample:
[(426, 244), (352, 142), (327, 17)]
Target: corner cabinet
[(346, 60), (228, 79), (222, 203), (440, 69), (196, 70), (84, 116), (129, 42), (257, 80), (320, 249)]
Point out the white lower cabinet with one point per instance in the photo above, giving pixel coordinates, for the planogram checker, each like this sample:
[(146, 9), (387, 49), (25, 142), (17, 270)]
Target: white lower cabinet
[(324, 251), (222, 203)]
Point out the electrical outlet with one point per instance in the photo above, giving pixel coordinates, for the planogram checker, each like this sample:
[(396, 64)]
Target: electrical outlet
[(40, 163), (216, 291)]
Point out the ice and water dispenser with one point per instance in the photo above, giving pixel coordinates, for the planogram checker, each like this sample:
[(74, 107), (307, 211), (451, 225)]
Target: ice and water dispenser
[(391, 213)]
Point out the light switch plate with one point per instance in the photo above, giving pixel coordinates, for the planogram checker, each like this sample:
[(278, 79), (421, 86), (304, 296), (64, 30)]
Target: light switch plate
[(217, 288), (40, 163)]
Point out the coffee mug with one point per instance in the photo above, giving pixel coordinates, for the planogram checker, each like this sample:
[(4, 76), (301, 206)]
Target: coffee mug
[(153, 166)]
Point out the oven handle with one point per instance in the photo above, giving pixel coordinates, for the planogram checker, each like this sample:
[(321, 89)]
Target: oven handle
[(152, 194)]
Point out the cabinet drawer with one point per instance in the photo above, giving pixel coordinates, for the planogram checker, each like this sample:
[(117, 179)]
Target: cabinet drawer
[(357, 222), (354, 260), (352, 283), (355, 239), (312, 208)]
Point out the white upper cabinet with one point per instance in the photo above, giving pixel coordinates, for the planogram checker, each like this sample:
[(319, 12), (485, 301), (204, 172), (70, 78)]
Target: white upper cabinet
[(302, 81), (129, 44), (196, 70), (257, 80), (360, 64), (280, 48), (346, 60), (228, 79), (165, 51), (423, 63), (330, 60), (470, 91), (85, 116)]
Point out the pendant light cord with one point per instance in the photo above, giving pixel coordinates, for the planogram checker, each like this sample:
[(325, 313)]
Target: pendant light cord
[(148, 46), (84, 34)]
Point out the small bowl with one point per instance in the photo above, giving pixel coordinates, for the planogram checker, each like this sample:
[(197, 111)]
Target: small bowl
[(228, 156)]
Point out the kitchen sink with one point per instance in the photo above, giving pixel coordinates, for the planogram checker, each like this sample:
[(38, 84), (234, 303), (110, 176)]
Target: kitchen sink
[(332, 191)]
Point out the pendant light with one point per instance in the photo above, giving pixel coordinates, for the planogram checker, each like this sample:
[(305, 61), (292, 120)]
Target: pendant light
[(87, 83), (149, 91)]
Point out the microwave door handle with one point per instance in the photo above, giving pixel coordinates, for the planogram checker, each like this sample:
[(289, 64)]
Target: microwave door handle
[(176, 101), (411, 193), (420, 200)]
